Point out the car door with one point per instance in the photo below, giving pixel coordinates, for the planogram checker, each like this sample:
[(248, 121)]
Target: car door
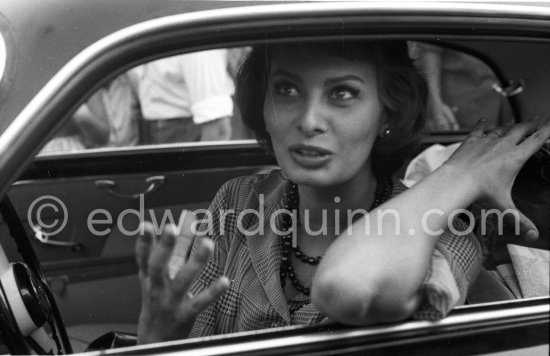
[(90, 261), (114, 180), (82, 211)]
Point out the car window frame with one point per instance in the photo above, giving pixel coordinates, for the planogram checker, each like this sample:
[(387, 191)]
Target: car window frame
[(112, 55), (447, 135)]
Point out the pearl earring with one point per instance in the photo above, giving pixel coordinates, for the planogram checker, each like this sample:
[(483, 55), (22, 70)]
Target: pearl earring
[(386, 132)]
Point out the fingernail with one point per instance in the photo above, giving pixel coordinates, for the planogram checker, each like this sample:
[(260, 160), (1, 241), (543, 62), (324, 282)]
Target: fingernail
[(172, 229), (531, 235), (226, 282), (208, 244)]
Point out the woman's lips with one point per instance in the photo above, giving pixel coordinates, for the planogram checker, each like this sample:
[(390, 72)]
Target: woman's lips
[(310, 156)]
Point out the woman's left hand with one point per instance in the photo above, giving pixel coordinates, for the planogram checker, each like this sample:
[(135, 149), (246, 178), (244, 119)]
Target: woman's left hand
[(168, 308), (493, 159)]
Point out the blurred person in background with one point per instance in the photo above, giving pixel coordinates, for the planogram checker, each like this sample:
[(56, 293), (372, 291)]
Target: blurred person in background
[(84, 130), (117, 102), (461, 89), (186, 98)]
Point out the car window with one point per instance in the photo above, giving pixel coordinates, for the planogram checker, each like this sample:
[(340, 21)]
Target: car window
[(462, 87), (184, 98), (190, 98)]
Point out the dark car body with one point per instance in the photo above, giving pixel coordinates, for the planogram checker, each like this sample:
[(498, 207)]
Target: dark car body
[(60, 51)]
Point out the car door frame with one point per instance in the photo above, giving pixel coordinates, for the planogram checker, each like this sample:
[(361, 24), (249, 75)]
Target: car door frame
[(152, 39)]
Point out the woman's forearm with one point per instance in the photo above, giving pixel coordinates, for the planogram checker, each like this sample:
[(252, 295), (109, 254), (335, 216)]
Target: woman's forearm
[(373, 271)]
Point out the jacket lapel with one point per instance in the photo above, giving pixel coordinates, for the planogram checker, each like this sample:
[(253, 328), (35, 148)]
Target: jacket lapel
[(264, 247)]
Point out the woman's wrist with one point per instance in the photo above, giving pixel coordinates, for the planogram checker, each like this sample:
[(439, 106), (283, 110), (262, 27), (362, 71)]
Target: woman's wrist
[(460, 179)]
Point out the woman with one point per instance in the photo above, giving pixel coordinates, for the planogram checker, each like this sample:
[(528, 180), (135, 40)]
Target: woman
[(340, 118)]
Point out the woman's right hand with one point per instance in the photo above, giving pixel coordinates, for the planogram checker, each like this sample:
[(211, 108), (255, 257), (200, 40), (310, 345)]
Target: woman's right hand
[(168, 309), (492, 161)]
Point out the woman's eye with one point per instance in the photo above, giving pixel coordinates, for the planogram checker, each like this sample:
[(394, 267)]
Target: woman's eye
[(343, 93), (286, 89)]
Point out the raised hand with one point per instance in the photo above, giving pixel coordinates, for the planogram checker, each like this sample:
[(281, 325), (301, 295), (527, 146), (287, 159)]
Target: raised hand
[(168, 308), (494, 158)]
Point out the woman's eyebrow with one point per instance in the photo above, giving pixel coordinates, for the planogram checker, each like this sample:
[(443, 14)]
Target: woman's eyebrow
[(290, 75), (343, 78)]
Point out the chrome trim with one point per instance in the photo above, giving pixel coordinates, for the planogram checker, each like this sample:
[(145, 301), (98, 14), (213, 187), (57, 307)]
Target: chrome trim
[(505, 304), (512, 89), (109, 185), (181, 146), (44, 239), (362, 338), (62, 95)]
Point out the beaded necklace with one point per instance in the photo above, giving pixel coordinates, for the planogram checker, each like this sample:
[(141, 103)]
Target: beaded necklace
[(292, 202)]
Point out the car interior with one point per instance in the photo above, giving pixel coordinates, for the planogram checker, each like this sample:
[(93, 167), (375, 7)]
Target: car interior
[(92, 275)]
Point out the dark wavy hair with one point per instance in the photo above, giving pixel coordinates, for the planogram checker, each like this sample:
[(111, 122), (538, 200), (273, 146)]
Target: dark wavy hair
[(401, 88)]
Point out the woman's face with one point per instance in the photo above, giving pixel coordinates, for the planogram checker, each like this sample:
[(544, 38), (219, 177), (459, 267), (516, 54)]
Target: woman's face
[(323, 114)]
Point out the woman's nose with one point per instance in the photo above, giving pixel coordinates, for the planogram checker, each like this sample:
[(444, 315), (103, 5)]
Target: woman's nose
[(312, 120)]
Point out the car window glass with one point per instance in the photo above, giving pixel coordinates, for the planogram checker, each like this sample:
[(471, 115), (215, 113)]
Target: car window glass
[(462, 89), (190, 98), (184, 98)]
